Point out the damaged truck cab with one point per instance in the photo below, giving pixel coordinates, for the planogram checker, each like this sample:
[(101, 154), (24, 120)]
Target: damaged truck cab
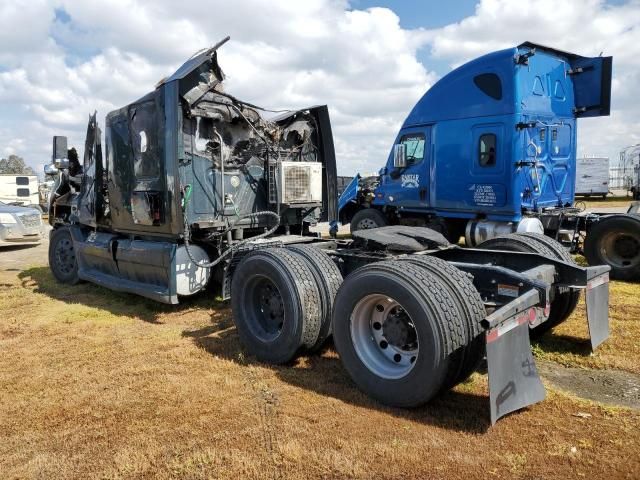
[(187, 158)]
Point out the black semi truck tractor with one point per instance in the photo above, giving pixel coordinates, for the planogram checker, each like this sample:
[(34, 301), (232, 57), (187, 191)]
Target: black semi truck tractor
[(193, 188)]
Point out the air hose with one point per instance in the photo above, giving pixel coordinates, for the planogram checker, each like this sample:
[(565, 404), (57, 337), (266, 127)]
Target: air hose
[(234, 246)]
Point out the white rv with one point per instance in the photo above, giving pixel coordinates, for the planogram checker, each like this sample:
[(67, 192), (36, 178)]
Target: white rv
[(592, 176), (19, 190)]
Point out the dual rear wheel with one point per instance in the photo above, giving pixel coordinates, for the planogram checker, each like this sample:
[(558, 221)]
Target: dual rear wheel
[(282, 300), (405, 329)]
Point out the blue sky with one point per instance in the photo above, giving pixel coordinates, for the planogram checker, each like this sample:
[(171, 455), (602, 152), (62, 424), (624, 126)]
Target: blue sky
[(413, 14)]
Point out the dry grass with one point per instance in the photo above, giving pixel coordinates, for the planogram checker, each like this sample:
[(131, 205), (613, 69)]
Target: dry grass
[(569, 342), (595, 203), (102, 385)]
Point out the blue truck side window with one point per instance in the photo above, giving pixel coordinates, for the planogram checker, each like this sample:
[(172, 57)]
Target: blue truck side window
[(487, 150), (414, 145), (490, 84)]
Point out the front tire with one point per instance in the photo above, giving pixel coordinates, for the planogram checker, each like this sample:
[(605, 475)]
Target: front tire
[(368, 218), (62, 256)]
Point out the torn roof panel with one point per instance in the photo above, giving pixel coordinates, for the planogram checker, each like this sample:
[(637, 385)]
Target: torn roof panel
[(197, 62)]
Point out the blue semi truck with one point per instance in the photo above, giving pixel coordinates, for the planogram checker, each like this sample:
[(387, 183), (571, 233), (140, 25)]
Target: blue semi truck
[(490, 150)]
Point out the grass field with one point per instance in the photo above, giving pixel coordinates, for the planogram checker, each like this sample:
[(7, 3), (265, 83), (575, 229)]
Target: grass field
[(95, 384), (610, 201)]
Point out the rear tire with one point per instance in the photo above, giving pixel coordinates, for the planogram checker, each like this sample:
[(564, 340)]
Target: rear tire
[(328, 279), (534, 243), (471, 310), (62, 256), (615, 241), (368, 218), (395, 327), (276, 304), (572, 296)]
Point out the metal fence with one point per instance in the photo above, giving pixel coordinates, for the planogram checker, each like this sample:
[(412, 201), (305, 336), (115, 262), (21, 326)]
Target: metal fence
[(622, 178), (617, 178)]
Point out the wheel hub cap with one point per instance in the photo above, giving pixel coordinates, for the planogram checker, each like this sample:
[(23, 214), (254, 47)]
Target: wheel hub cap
[(384, 336), (621, 250), (65, 256), (398, 329), (272, 308), (367, 223)]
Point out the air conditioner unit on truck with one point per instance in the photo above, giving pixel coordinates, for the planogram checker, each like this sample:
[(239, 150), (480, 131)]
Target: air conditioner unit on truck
[(195, 187), (490, 150)]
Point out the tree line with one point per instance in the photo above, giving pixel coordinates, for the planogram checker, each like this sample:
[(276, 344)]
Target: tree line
[(15, 165)]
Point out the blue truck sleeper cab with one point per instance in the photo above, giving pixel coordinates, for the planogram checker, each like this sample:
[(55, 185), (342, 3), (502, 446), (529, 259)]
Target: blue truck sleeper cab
[(491, 143)]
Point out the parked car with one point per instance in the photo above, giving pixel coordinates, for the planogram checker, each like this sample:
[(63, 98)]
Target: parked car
[(20, 225)]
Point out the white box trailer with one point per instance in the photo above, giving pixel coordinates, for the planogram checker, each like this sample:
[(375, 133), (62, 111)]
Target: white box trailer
[(592, 176), (19, 189)]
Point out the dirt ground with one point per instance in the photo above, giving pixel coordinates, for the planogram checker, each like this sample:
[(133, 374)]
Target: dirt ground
[(95, 384)]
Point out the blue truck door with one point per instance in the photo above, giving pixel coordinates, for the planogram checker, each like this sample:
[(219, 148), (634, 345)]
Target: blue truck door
[(486, 187), (407, 187), (591, 79)]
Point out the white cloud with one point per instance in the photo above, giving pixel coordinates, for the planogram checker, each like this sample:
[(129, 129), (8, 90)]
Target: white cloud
[(586, 27), (282, 54)]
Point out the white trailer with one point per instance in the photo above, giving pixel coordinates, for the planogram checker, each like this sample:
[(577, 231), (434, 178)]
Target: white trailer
[(592, 176), (19, 189)]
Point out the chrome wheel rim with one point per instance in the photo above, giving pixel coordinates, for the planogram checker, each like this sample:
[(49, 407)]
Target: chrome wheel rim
[(384, 336), (366, 224), (620, 249)]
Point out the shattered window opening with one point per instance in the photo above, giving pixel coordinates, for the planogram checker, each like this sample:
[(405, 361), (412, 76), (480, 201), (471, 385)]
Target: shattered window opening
[(204, 136), (143, 141), (146, 160)]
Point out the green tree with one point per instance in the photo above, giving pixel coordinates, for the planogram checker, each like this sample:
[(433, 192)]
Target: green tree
[(15, 165)]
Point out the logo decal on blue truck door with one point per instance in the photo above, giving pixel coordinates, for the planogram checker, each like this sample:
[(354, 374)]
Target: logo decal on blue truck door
[(410, 181)]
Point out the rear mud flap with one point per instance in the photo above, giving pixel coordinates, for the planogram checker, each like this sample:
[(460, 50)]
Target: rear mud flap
[(597, 298), (514, 382)]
